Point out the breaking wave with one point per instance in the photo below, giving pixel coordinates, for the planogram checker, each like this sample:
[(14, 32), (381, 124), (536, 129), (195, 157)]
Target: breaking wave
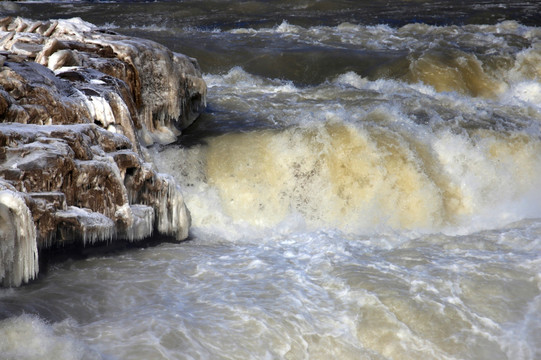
[(387, 155), (40, 341)]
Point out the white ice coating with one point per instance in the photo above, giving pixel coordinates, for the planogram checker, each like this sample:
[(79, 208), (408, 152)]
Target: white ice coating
[(163, 92), (143, 222), (165, 82), (75, 26), (101, 111), (18, 249), (93, 226), (172, 214)]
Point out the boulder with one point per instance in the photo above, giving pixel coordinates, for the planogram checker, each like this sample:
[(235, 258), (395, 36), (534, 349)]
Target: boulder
[(78, 106)]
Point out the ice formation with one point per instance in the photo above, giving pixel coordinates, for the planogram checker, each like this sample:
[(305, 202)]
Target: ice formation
[(18, 247), (77, 107)]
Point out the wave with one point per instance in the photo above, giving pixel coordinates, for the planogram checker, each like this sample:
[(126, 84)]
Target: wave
[(415, 36), (474, 60), (362, 156), (363, 128), (29, 337)]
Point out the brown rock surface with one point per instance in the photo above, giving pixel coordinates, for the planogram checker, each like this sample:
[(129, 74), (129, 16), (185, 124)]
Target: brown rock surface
[(77, 107)]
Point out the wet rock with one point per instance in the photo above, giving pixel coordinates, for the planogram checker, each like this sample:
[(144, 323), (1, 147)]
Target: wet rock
[(77, 108)]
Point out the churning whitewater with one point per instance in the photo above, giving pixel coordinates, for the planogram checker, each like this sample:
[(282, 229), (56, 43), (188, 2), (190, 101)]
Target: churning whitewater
[(386, 155), (357, 190)]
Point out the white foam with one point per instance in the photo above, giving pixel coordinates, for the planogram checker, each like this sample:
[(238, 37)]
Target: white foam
[(352, 79), (285, 27), (528, 92), (27, 337)]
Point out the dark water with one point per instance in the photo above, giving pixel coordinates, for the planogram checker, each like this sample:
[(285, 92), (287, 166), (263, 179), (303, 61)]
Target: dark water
[(305, 63), (234, 14), (363, 185)]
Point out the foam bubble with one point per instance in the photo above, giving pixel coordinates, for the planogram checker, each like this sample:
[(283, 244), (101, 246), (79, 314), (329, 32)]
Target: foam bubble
[(527, 91)]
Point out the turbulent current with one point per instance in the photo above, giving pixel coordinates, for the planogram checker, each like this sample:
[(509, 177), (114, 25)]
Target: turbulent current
[(365, 184)]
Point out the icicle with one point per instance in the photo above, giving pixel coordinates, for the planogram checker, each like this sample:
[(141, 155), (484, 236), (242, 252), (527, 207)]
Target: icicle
[(91, 226), (18, 246), (173, 217), (143, 222)]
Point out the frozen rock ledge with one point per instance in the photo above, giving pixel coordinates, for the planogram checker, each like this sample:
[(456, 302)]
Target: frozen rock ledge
[(78, 106)]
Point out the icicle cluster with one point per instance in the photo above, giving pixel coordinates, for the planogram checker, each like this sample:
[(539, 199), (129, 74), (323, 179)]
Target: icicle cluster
[(18, 248), (173, 216), (143, 222)]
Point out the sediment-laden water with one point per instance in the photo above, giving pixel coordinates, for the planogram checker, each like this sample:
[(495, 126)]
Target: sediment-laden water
[(364, 185)]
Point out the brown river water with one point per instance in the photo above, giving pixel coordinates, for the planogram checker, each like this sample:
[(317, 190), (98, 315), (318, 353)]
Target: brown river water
[(364, 184)]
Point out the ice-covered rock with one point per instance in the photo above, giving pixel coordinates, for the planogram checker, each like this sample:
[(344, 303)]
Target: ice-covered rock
[(115, 75), (84, 182), (77, 107)]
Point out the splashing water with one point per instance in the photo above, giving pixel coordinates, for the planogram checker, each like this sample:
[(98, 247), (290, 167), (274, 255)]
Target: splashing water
[(363, 185)]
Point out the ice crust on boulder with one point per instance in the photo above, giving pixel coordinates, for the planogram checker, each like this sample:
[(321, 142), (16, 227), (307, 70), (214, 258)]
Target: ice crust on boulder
[(96, 171), (77, 107), (164, 91), (75, 222)]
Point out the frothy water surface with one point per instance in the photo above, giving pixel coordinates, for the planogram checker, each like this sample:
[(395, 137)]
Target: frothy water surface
[(364, 185), (310, 294)]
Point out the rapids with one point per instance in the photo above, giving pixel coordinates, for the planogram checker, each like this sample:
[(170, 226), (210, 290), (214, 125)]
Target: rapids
[(363, 185)]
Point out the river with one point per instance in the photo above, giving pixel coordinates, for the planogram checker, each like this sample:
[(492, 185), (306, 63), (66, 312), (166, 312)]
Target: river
[(363, 185)]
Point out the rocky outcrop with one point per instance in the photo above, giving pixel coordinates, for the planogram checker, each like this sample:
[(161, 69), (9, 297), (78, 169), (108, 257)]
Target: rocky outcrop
[(117, 77), (77, 108)]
